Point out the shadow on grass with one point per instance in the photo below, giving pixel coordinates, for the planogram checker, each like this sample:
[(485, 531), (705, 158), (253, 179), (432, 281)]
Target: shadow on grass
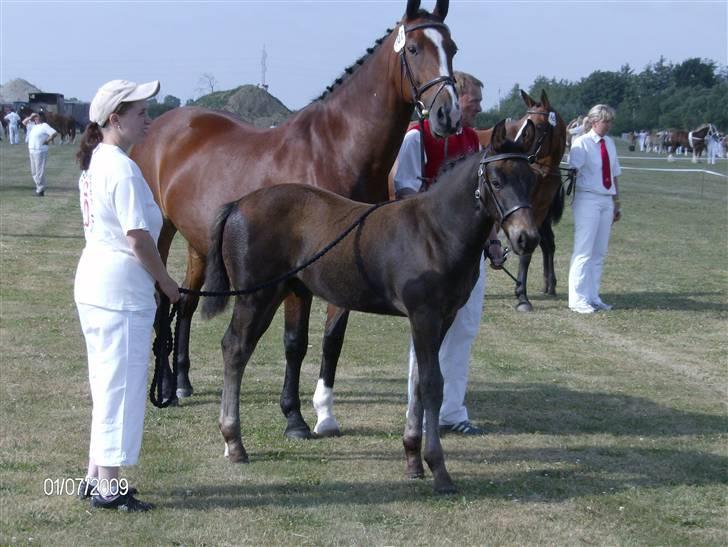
[(555, 410), (673, 301), (544, 475)]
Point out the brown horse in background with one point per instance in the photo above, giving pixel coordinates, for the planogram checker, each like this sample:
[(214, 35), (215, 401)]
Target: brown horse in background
[(195, 160), (548, 194), (418, 258)]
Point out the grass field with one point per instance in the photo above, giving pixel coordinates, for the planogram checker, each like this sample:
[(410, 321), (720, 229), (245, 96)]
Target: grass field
[(607, 429)]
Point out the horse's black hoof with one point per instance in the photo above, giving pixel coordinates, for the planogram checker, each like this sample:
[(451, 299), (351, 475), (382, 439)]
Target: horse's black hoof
[(185, 392), (298, 433), (524, 306), (173, 401)]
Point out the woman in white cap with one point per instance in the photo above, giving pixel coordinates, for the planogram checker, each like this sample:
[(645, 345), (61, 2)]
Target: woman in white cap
[(114, 288)]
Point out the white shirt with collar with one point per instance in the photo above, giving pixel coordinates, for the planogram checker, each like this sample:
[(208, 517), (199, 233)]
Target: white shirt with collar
[(586, 156)]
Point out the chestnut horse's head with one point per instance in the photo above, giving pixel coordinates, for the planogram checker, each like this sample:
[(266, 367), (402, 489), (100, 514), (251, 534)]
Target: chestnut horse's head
[(425, 49), (506, 181), (550, 143)]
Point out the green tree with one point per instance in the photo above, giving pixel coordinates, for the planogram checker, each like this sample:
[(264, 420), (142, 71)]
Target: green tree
[(172, 101), (694, 72)]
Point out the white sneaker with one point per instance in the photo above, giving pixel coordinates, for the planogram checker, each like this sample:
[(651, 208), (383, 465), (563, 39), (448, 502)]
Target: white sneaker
[(583, 308)]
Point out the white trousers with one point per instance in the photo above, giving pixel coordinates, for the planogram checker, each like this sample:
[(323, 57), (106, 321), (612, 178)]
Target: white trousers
[(37, 168), (118, 344), (454, 355), (13, 134), (593, 216)]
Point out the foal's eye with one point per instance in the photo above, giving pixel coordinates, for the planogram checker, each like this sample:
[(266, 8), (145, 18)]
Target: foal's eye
[(412, 49)]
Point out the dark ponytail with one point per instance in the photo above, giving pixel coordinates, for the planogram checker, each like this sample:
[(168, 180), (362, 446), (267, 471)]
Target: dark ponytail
[(89, 140)]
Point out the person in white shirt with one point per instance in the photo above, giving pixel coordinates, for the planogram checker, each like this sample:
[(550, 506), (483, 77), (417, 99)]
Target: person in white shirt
[(454, 355), (13, 120), (114, 288), (596, 207), (40, 135), (29, 124)]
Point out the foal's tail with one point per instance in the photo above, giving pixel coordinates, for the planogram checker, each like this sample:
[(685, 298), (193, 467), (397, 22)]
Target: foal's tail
[(216, 275)]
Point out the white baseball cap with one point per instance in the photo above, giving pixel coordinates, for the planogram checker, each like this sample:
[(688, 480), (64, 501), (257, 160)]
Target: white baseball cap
[(113, 93)]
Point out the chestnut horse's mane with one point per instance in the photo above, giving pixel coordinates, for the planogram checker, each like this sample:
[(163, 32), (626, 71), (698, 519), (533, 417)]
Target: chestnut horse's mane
[(348, 71)]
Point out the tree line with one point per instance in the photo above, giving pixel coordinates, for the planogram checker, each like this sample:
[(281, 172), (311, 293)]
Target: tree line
[(664, 95)]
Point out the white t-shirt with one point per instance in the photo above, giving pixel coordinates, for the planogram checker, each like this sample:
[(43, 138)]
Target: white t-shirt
[(38, 135), (13, 119), (586, 156), (115, 199)]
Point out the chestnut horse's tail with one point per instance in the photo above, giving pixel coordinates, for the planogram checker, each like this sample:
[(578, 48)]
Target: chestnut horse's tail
[(557, 206), (216, 275)]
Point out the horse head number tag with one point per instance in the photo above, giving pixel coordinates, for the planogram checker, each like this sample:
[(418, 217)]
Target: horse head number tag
[(552, 119), (399, 42)]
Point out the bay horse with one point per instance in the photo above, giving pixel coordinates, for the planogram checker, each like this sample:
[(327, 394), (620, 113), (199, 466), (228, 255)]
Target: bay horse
[(195, 160), (548, 194), (424, 268)]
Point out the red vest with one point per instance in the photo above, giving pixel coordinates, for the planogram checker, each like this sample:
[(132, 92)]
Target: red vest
[(464, 143)]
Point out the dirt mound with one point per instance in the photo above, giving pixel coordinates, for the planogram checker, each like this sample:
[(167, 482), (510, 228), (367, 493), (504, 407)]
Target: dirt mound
[(16, 90), (251, 103)]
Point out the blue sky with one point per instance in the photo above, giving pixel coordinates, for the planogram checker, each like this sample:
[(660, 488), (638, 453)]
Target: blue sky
[(76, 46)]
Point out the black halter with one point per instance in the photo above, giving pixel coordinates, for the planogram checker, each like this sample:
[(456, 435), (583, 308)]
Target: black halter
[(487, 185), (417, 92)]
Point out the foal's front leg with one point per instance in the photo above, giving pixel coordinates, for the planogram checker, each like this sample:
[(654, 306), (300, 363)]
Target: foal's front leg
[(427, 334), (295, 340)]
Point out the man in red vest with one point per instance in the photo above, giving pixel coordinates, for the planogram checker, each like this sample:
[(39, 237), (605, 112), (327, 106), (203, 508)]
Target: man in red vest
[(408, 180)]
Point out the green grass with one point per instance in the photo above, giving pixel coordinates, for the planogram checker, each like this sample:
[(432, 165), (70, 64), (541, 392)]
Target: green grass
[(606, 429)]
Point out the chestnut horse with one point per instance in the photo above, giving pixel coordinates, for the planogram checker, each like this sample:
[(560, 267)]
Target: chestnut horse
[(424, 269), (548, 195), (195, 160)]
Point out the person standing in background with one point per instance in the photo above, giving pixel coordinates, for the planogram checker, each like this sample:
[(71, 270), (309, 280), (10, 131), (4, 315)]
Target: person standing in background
[(38, 139), (596, 207)]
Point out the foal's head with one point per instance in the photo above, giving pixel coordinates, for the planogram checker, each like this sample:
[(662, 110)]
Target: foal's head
[(425, 50), (505, 183)]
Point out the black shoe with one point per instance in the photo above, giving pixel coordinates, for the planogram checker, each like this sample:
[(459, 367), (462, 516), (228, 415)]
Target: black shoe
[(122, 502), (40, 194), (86, 489), (464, 428)]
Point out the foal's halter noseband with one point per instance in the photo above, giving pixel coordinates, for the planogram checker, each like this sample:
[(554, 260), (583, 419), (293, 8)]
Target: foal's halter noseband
[(417, 92), (485, 182)]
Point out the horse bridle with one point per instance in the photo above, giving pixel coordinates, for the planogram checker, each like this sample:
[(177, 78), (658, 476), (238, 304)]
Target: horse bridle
[(541, 137), (485, 182), (417, 92)]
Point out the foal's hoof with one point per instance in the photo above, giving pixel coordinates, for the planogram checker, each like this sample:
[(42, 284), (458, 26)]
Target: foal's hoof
[(447, 489), (298, 433), (415, 472), (184, 392), (524, 306), (170, 401)]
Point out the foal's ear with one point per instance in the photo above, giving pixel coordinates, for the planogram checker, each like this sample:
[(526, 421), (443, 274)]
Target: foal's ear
[(525, 140), (527, 99), (499, 138), (413, 7), (441, 9)]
